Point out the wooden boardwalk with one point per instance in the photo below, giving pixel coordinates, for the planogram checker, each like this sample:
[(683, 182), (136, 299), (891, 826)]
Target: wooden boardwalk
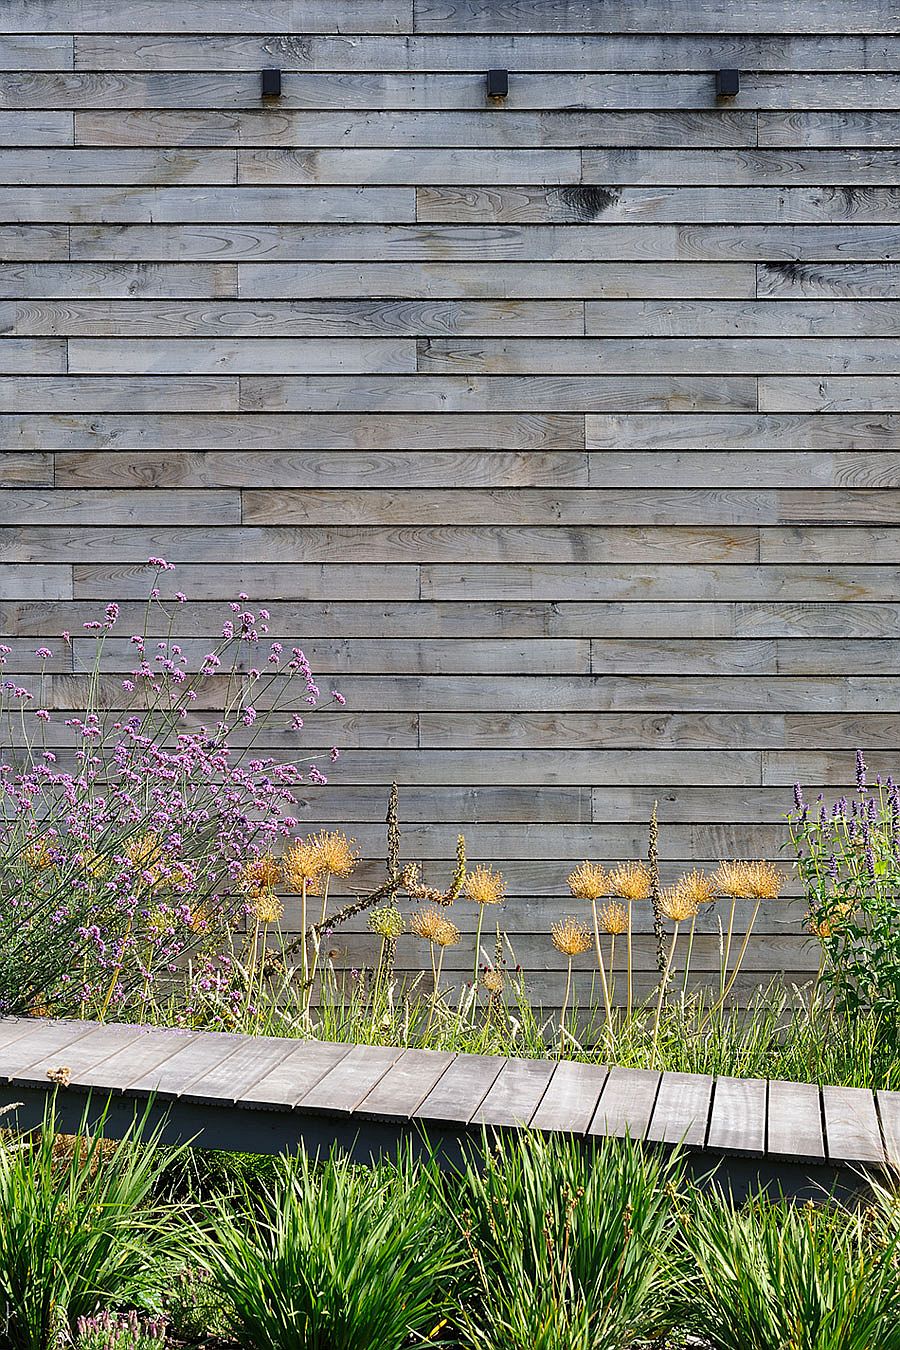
[(265, 1094)]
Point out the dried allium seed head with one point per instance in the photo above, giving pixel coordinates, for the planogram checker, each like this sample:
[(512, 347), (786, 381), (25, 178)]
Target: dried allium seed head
[(493, 980), (675, 905), (571, 937), (697, 886), (338, 855), (764, 881), (613, 918), (259, 875), (484, 886), (267, 908), (630, 881), (732, 879), (301, 865), (588, 881), (426, 923), (447, 935), (386, 921)]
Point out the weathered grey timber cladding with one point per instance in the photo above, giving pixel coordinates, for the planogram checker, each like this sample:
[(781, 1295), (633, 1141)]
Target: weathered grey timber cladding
[(563, 431)]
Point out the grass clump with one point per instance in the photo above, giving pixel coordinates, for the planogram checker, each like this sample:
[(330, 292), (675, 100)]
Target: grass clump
[(80, 1229), (332, 1257), (568, 1246)]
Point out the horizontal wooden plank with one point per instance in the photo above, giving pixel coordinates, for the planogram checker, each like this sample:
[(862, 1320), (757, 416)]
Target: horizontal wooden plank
[(86, 205), (613, 356), (220, 356), (664, 583), (331, 469), (98, 394), (410, 166), (94, 168), (794, 1123), (419, 243), (602, 621), (526, 506), (40, 281), (846, 128), (337, 318), (852, 281), (681, 1110), (368, 544), (32, 356), (25, 243), (852, 1132), (34, 51), (666, 16), (26, 470), (145, 508), (666, 434), (745, 319), (482, 280), (626, 1103), (439, 90), (832, 393), (52, 581), (484, 128), (491, 394), (36, 128), (236, 16), (376, 440), (653, 205), (225, 51), (741, 167), (325, 581)]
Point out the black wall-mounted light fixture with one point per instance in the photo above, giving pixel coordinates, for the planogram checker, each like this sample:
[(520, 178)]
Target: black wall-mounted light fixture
[(728, 83), (497, 83), (271, 82)]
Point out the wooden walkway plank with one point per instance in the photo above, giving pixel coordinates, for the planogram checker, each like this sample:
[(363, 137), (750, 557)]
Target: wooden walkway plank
[(406, 1084), (626, 1103), (852, 1132), (190, 1062), (571, 1098), (296, 1075), (140, 1057), (459, 1091), (50, 1039), (80, 1057), (515, 1094), (795, 1122), (737, 1123), (342, 1089), (888, 1104), (681, 1112), (228, 1080)]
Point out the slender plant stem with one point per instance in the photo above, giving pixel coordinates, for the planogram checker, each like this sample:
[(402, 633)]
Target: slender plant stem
[(662, 989), (477, 945), (562, 1015), (304, 959), (606, 999), (727, 953), (742, 952), (629, 991), (690, 948)]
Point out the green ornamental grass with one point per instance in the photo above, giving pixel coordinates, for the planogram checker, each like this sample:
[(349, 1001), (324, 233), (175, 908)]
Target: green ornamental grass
[(79, 1230), (333, 1257), (569, 1245), (785, 1277)]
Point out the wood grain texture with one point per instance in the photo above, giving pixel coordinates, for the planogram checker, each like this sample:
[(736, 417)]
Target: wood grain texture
[(562, 432)]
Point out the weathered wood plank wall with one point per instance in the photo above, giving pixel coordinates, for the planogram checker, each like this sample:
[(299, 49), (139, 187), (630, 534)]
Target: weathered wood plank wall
[(564, 431)]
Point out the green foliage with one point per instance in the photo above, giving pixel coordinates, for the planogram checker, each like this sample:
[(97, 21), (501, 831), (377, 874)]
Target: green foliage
[(79, 1229), (780, 1277), (120, 1331), (336, 1257), (848, 858), (569, 1247)]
